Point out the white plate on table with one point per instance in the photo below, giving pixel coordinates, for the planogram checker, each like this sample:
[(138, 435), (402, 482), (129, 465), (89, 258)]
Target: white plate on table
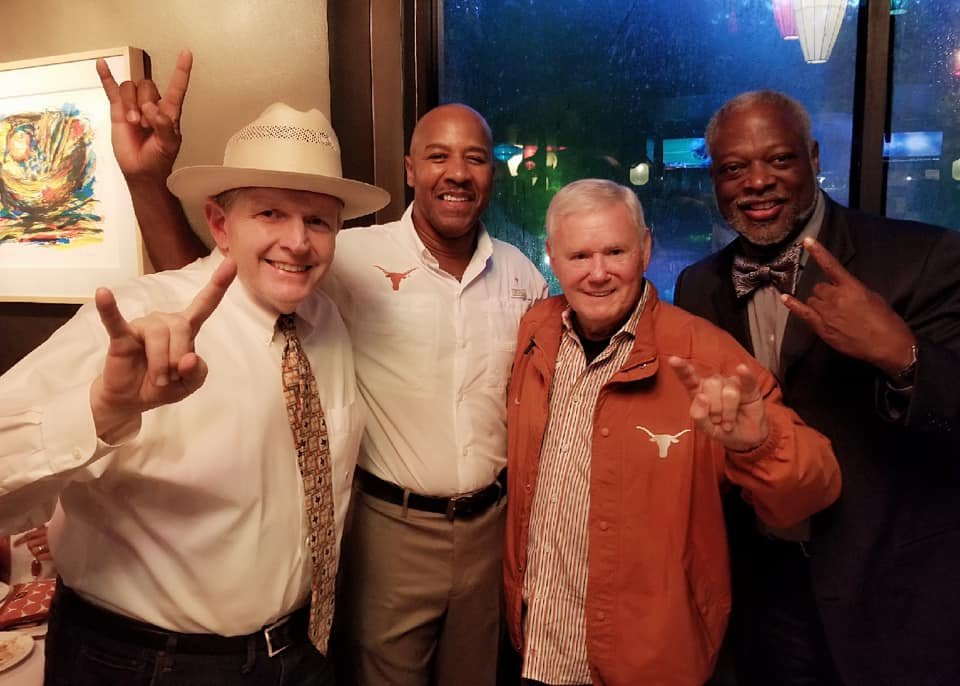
[(4, 591), (37, 631), (14, 648)]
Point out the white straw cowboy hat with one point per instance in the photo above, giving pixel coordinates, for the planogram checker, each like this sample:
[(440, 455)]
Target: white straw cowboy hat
[(282, 148)]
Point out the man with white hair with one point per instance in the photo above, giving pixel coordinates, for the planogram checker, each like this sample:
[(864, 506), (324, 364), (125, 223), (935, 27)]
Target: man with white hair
[(203, 497), (615, 562)]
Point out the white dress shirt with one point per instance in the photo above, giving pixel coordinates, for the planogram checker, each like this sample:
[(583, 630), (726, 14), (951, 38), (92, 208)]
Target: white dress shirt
[(196, 523), (433, 354)]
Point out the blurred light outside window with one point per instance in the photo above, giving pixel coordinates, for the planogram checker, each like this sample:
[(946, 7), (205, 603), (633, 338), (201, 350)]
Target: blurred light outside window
[(922, 154), (623, 89)]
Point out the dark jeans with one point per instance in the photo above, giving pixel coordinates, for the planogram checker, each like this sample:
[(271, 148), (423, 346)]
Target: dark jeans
[(77, 655)]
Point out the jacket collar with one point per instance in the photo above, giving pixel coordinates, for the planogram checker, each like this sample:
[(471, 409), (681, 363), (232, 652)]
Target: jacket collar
[(730, 312), (410, 240), (547, 328), (835, 237)]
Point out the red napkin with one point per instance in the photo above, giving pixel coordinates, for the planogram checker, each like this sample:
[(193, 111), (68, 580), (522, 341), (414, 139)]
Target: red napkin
[(27, 603)]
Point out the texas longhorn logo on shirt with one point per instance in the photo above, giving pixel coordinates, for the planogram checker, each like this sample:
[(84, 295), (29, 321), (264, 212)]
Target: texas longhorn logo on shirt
[(395, 277), (663, 441)]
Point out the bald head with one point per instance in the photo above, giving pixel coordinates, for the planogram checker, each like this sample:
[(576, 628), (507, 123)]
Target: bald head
[(452, 113), (450, 168)]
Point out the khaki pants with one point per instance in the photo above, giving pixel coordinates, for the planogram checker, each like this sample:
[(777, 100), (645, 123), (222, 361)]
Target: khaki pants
[(420, 596)]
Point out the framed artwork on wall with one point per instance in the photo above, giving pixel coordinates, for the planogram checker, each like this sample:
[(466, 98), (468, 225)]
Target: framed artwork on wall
[(66, 220)]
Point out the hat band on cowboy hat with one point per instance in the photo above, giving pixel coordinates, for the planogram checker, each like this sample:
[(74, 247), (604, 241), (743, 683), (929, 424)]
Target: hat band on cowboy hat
[(282, 148)]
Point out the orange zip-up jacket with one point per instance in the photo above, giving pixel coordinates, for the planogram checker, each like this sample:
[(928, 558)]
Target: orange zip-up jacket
[(658, 586)]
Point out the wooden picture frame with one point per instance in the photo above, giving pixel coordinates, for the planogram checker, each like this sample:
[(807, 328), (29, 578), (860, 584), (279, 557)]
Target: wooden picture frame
[(66, 220)]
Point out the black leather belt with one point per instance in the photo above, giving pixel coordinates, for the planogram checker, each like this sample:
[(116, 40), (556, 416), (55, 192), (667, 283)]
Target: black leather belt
[(272, 639), (462, 506)]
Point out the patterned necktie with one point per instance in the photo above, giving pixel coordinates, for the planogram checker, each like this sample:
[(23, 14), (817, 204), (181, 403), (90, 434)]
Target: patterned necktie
[(782, 272), (313, 458)]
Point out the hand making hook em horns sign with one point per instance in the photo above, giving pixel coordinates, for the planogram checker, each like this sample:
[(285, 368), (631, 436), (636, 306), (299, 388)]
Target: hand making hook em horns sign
[(729, 409), (851, 318), (145, 128), (151, 360)]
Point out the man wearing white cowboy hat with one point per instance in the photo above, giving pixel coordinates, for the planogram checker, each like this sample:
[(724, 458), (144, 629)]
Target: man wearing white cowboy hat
[(432, 303), (185, 549)]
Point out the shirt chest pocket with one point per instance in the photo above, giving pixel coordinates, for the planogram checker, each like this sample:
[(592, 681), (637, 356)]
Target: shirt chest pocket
[(394, 340), (502, 318), (344, 429)]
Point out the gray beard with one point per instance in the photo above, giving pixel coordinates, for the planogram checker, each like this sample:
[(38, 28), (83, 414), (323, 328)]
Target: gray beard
[(760, 235)]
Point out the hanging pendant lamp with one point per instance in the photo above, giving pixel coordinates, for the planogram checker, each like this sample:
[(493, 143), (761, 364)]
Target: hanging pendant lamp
[(818, 23), (786, 19)]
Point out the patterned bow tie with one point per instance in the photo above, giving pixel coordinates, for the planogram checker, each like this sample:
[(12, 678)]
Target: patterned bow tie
[(782, 272)]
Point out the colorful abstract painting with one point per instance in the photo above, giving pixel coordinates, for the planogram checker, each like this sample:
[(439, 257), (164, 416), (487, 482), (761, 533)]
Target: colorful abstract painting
[(67, 224), (47, 167)]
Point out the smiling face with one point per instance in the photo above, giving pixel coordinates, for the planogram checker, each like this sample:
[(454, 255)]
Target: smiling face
[(282, 241), (764, 176), (599, 257), (450, 168)]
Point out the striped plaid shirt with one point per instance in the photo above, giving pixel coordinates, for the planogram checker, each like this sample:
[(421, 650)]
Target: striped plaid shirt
[(555, 583)]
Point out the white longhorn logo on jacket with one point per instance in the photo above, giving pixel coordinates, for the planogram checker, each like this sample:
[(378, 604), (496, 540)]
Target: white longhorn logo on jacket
[(663, 441)]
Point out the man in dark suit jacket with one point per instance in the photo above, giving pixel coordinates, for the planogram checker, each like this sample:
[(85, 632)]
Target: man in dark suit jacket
[(867, 352)]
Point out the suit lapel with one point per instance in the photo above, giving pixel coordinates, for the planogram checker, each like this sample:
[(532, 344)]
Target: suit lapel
[(731, 314), (798, 337)]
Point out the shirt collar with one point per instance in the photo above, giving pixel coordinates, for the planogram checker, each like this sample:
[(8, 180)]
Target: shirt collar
[(409, 236), (263, 319), (410, 239), (812, 228)]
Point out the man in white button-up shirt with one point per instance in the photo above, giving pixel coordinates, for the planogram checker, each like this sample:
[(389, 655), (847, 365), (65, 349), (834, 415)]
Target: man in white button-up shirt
[(164, 431), (432, 303)]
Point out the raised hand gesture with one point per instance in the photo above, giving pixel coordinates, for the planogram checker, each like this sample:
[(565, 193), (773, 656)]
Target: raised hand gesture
[(726, 408), (851, 318), (151, 360), (145, 128)]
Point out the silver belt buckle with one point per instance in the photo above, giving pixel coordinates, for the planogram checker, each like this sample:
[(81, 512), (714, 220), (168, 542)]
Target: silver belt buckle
[(268, 635)]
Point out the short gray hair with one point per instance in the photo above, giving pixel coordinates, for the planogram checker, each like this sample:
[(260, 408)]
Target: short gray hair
[(226, 198), (590, 194), (764, 97)]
